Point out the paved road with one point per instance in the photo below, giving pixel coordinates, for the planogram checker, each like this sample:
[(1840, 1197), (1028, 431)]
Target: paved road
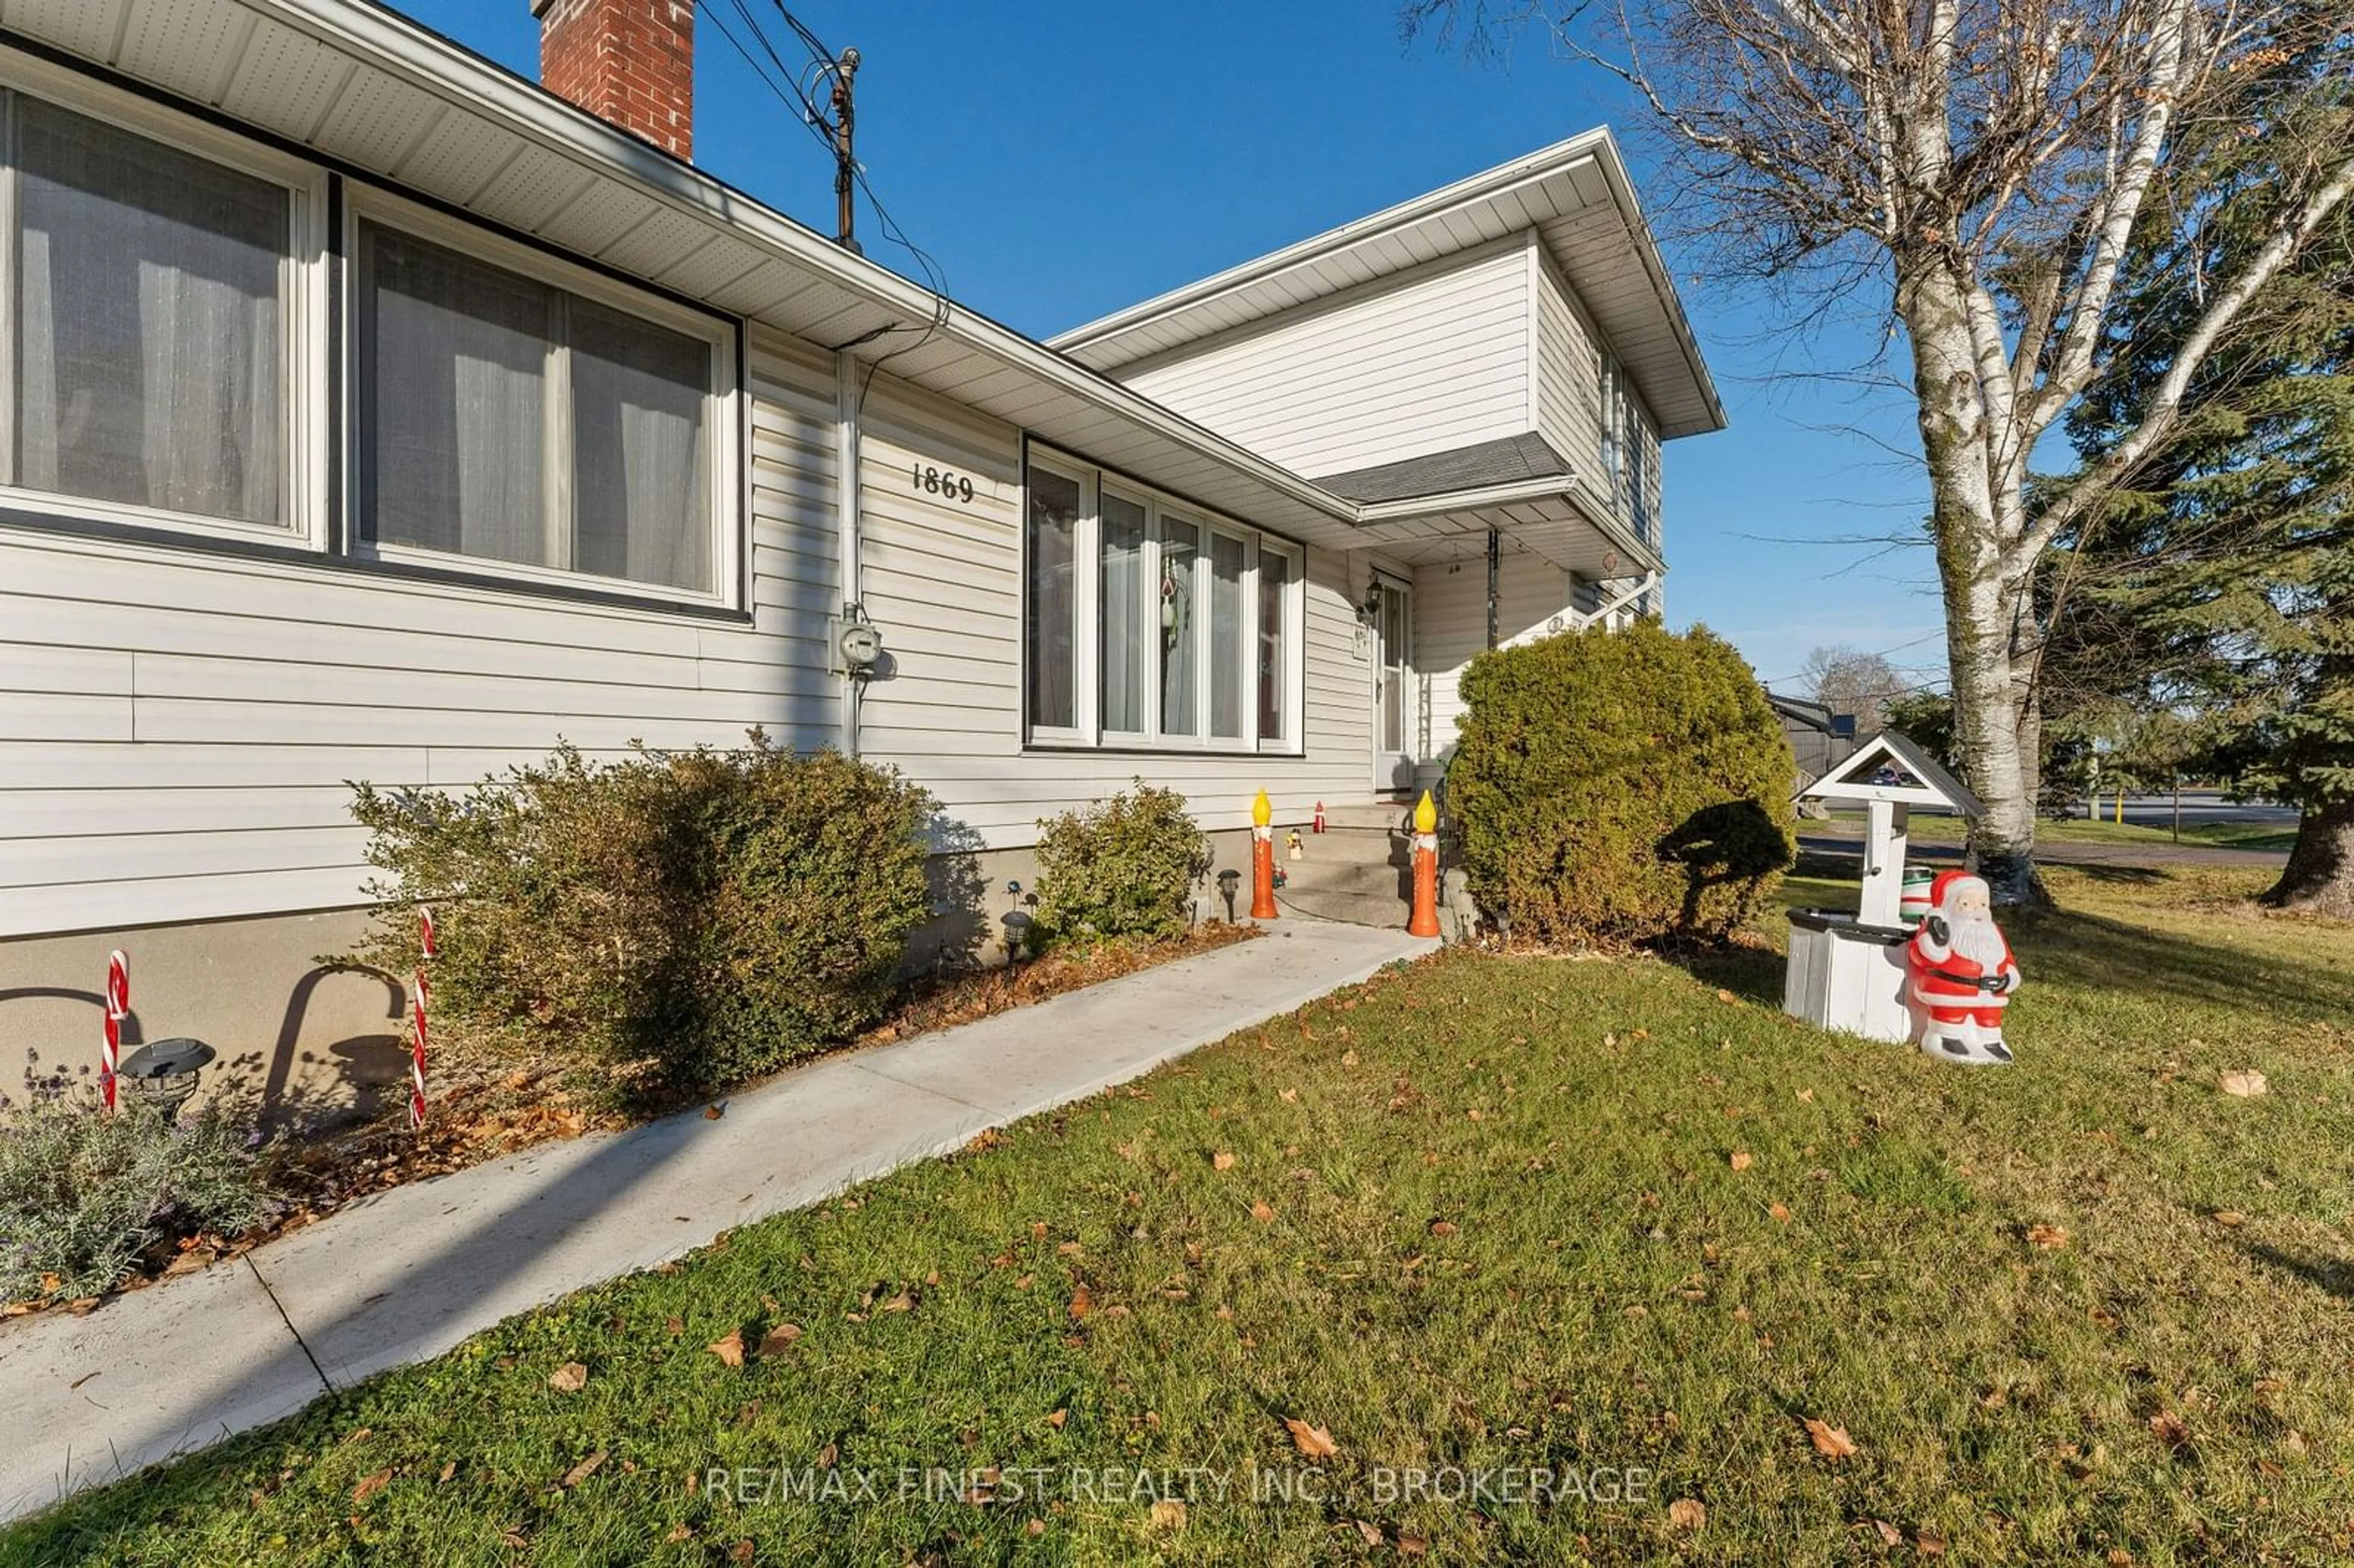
[(1938, 845), (2198, 806)]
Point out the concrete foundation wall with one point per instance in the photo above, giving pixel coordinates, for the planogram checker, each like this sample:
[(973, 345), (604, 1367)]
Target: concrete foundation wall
[(312, 1041), (308, 1039)]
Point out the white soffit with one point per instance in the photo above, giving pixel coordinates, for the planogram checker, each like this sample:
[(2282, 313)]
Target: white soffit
[(358, 82)]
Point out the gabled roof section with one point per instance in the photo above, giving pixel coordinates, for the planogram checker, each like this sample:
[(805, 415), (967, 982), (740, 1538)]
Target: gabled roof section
[(1892, 766), (1575, 194)]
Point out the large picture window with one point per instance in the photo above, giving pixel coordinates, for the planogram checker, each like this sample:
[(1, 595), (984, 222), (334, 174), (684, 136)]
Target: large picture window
[(1148, 623), (158, 306), (507, 418)]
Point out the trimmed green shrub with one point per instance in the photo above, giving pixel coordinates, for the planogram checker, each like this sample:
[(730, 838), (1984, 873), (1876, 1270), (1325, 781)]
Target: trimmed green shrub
[(684, 920), (1624, 786), (83, 1194), (1121, 868)]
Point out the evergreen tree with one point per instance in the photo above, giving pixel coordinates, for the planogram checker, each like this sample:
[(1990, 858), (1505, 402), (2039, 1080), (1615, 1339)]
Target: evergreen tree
[(2221, 584)]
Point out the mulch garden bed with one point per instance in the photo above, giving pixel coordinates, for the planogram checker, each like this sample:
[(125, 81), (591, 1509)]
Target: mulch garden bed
[(485, 1111)]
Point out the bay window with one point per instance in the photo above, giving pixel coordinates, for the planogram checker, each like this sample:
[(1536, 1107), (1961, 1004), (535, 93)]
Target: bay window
[(553, 428), (161, 306), (1148, 623)]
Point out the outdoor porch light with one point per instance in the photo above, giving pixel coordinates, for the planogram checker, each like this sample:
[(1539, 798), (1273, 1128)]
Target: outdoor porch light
[(1370, 610), (163, 1075)]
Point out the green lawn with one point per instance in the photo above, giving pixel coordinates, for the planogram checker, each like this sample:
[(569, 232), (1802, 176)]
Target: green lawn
[(1503, 1223), (2221, 835)]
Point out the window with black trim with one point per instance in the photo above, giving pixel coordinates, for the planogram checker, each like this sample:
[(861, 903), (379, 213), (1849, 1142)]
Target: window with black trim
[(1149, 623), (549, 429)]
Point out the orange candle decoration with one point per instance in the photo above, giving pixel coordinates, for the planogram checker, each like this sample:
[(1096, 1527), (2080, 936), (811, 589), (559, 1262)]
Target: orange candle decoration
[(1424, 921), (1262, 859)]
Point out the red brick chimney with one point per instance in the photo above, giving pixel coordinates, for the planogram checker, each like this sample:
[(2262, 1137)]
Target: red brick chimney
[(627, 61)]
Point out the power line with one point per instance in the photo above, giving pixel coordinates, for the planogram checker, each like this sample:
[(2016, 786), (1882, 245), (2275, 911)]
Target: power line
[(796, 90)]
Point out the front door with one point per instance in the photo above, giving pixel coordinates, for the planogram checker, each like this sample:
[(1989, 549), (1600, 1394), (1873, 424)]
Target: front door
[(1395, 708)]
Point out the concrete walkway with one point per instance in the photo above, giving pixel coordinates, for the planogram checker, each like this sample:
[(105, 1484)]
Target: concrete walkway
[(413, 1271)]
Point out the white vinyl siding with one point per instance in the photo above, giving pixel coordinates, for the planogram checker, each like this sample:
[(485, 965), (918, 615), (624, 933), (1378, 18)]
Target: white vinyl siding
[(178, 727), (1569, 360), (1425, 362), (1611, 444), (1533, 598), (943, 581)]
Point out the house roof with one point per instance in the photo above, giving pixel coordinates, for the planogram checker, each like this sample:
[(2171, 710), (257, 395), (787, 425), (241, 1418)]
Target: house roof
[(1475, 466), (379, 95), (1575, 194)]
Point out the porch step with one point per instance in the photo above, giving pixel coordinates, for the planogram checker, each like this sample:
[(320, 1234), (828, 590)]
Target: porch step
[(1369, 814), (1380, 878), (1384, 911)]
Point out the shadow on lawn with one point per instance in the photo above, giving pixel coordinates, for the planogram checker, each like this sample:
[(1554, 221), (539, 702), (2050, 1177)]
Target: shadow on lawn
[(2091, 951), (2334, 1276), (2074, 948)]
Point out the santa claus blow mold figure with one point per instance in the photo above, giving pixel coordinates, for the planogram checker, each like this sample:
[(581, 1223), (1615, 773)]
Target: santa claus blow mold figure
[(1962, 973)]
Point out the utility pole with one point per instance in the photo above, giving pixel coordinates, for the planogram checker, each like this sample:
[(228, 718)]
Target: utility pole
[(845, 162)]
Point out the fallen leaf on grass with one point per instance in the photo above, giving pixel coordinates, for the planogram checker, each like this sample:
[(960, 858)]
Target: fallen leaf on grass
[(1806, 1096), (1347, 1058), (1930, 1545), (448, 1470), (1368, 1532), (2246, 1083), (1315, 1442), (371, 1484), (2168, 1429), (2231, 1218), (1081, 1302), (730, 1349), (1221, 1161), (570, 1378), (1412, 1546), (1057, 1419), (903, 1302), (1726, 996), (780, 1338), (2050, 1237), (584, 1469), (1889, 1535), (1832, 1442), (679, 1532), (1781, 1212), (1168, 1513), (1442, 1227), (1687, 1513), (1743, 1160), (1291, 1096), (1261, 1212)]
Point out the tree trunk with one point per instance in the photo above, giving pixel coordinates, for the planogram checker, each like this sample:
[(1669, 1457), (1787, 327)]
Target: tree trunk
[(2319, 879), (1981, 610)]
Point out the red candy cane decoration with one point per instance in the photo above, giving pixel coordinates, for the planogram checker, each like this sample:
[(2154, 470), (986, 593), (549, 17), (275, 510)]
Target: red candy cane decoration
[(424, 996), (118, 1009)]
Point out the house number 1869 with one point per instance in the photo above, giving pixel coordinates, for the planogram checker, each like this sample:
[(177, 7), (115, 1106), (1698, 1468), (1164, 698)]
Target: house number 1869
[(935, 481)]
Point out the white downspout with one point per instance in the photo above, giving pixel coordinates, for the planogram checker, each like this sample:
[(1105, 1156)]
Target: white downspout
[(845, 539)]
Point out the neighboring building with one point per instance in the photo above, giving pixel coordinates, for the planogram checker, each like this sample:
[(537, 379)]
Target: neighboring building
[(1819, 739), (376, 414)]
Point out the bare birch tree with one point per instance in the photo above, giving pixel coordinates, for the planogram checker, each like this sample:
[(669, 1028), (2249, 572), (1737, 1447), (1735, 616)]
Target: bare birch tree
[(1984, 162)]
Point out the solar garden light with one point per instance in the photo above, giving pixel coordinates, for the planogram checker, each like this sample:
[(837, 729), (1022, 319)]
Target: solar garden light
[(163, 1075)]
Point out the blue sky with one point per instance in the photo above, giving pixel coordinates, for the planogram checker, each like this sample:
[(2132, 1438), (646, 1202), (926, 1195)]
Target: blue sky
[(1061, 160)]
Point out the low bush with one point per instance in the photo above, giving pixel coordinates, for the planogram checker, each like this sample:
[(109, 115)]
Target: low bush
[(1624, 786), (682, 920), (83, 1194), (1121, 868)]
